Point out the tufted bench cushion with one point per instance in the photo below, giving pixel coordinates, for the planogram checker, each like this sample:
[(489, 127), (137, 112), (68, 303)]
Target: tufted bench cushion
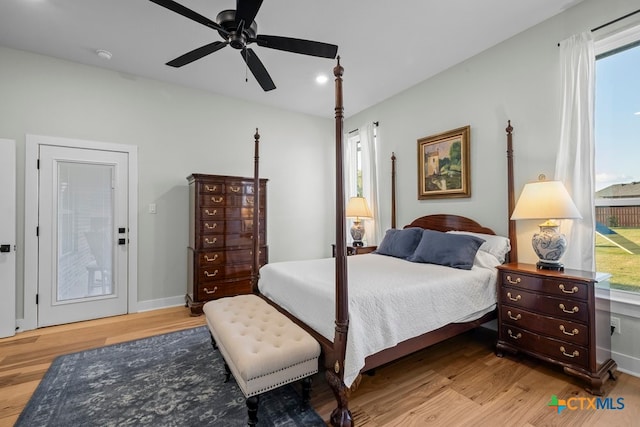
[(262, 347)]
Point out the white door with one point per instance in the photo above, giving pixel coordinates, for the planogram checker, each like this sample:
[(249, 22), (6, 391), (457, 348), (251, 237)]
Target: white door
[(7, 238), (82, 229)]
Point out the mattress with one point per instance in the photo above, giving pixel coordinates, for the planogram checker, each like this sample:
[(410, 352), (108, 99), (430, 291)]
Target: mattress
[(390, 299)]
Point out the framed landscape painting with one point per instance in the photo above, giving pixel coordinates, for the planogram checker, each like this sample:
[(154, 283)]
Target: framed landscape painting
[(444, 165)]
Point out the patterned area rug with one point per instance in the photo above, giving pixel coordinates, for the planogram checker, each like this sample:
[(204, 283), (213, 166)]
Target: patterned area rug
[(175, 379)]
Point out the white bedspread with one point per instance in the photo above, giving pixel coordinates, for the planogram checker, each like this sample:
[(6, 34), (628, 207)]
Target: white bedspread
[(390, 299)]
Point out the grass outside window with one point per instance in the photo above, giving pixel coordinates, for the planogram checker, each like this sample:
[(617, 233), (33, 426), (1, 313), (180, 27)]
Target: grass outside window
[(623, 266)]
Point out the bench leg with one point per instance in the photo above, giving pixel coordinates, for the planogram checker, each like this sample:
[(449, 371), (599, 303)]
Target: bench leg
[(252, 409), (227, 372), (306, 390)]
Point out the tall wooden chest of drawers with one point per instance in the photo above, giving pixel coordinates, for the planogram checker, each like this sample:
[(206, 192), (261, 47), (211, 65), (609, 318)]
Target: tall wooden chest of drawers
[(552, 315), (220, 252)]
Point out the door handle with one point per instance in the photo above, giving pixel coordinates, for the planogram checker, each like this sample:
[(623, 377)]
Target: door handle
[(5, 248)]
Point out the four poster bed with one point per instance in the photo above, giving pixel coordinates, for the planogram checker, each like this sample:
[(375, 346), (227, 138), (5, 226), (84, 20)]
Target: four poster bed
[(368, 310)]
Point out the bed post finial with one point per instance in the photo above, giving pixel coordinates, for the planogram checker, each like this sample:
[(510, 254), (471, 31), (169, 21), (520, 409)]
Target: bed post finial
[(338, 70)]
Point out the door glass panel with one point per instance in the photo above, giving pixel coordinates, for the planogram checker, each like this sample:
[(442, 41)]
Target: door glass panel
[(85, 231)]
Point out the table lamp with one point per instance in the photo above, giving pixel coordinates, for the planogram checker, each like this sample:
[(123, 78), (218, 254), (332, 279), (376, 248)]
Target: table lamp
[(357, 208), (547, 200)]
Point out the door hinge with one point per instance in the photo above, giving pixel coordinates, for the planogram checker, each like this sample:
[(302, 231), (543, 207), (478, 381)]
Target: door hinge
[(38, 231), (38, 164), (37, 298)]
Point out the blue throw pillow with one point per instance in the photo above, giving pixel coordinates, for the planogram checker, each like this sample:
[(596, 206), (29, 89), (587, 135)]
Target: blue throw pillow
[(400, 243), (451, 250)]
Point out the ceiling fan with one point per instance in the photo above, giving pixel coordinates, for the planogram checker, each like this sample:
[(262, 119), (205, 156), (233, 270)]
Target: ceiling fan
[(239, 29)]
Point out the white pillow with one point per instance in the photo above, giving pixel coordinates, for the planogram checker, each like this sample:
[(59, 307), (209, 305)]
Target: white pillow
[(498, 246), (485, 259)]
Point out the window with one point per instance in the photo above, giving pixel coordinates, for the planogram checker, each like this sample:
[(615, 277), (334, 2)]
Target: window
[(617, 150), (361, 165), (358, 166)]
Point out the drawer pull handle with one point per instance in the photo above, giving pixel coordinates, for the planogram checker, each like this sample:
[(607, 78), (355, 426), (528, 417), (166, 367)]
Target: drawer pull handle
[(208, 212), (515, 337), (572, 333), (575, 309), (215, 199), (212, 291), (215, 257), (234, 189), (250, 200), (512, 317), (513, 282), (209, 226), (572, 291), (575, 353), (214, 274), (517, 298), (211, 189), (251, 252), (206, 240)]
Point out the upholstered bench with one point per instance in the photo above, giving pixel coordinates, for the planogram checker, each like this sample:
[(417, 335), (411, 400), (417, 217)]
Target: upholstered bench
[(262, 348)]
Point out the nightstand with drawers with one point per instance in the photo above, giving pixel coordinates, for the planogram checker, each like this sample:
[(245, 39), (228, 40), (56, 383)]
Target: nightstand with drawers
[(552, 315), (355, 250)]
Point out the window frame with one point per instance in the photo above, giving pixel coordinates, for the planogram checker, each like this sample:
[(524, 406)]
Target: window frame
[(626, 302)]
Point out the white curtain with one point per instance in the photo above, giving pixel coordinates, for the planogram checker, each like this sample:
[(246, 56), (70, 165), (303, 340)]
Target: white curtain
[(368, 143), (575, 159), (369, 165)]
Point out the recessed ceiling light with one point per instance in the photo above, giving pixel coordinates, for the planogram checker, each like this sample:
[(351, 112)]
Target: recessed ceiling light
[(322, 79), (104, 54)]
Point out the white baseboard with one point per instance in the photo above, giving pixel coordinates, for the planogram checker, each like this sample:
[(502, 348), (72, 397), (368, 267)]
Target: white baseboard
[(627, 364), (156, 304)]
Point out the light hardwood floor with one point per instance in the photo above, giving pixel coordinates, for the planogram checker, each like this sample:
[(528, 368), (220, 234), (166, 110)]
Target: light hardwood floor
[(456, 383)]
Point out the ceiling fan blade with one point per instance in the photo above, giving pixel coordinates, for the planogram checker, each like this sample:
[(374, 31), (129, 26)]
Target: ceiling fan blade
[(257, 69), (188, 13), (195, 54), (246, 10), (305, 47)]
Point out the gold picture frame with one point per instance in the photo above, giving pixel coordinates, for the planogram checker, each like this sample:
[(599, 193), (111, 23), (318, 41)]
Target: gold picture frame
[(444, 165)]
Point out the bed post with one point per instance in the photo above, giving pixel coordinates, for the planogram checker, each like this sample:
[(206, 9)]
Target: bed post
[(340, 416), (393, 190), (256, 216), (513, 255)]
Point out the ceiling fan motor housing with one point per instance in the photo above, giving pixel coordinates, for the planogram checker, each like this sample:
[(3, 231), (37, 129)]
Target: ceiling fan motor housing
[(238, 40)]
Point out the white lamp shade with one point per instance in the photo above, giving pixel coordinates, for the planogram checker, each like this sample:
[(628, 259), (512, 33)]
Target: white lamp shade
[(545, 200), (358, 208)]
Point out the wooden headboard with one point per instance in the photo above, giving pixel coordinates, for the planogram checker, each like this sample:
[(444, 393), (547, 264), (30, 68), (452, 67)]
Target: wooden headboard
[(443, 222)]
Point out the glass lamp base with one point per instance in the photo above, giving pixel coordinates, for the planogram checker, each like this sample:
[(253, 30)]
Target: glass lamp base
[(357, 233), (549, 244)]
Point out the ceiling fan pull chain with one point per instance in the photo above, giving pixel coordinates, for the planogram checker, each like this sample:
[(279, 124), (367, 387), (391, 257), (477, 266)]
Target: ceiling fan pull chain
[(246, 66)]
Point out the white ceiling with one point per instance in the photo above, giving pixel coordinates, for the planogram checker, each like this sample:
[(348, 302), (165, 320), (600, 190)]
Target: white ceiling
[(385, 46)]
